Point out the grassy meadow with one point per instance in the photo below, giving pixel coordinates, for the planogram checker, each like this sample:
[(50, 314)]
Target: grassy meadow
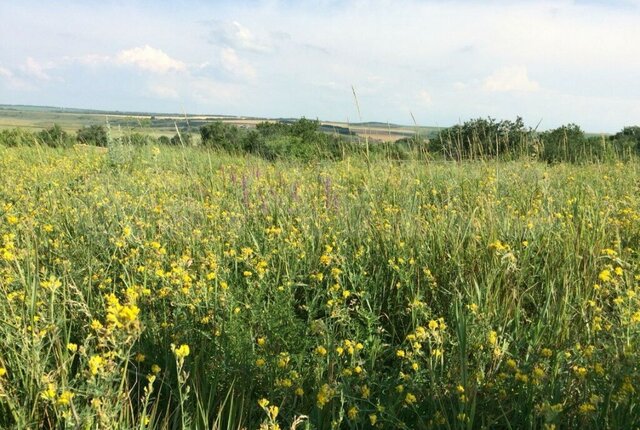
[(162, 287)]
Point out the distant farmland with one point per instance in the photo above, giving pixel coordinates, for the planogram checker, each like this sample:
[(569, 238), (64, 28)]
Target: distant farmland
[(41, 117)]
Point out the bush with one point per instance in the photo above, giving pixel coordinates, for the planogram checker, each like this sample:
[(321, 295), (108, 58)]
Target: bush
[(93, 135), (270, 128), (16, 137), (301, 139), (55, 137), (307, 129), (568, 143), (283, 146), (484, 138), (221, 136), (627, 141), (183, 138), (137, 139)]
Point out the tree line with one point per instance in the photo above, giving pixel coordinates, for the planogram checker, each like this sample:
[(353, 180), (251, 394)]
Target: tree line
[(304, 139)]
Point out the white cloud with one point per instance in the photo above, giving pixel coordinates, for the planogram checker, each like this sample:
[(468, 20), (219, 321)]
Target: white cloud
[(245, 39), (150, 59), (235, 65), (237, 36), (510, 79), (14, 82), (308, 54), (36, 70), (92, 59), (5, 73)]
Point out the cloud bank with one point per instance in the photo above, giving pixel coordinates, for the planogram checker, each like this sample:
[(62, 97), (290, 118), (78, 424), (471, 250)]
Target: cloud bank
[(443, 62)]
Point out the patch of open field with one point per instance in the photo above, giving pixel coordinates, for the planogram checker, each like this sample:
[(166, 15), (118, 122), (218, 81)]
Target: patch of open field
[(34, 118)]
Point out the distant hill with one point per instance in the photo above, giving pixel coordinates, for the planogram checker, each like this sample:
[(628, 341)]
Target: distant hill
[(156, 123)]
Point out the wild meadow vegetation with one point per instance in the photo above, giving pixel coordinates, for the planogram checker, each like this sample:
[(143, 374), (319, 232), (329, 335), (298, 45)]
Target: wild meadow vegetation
[(488, 277)]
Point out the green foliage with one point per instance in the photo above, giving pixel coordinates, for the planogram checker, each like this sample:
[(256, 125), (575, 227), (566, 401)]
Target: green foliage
[(306, 129), (298, 140), (569, 143), (182, 290), (306, 140), (137, 139), (55, 137), (487, 138), (272, 128), (16, 137), (284, 147), (93, 135), (484, 138), (220, 135), (627, 141), (566, 143), (184, 138)]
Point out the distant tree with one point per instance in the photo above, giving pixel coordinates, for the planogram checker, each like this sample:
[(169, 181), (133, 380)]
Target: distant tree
[(483, 138), (627, 141), (633, 132), (565, 143), (93, 135), (253, 141), (307, 129), (273, 128), (54, 137), (183, 138), (217, 134)]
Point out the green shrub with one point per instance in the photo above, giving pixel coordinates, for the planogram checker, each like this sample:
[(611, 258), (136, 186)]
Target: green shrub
[(93, 135), (182, 138), (568, 143), (627, 141), (484, 138), (55, 137), (137, 139), (221, 136), (16, 137)]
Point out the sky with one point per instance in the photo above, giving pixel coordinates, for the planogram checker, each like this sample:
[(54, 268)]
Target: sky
[(438, 62)]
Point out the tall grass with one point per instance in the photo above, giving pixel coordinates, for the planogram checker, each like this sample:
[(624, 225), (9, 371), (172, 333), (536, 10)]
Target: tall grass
[(175, 288)]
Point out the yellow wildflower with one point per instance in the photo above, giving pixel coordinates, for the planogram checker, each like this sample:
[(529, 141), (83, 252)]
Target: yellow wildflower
[(273, 412), (65, 398), (352, 413), (96, 364), (410, 399), (49, 393), (605, 275), (182, 351)]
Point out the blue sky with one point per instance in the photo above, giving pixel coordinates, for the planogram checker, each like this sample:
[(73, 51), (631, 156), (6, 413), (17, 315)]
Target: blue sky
[(551, 62)]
